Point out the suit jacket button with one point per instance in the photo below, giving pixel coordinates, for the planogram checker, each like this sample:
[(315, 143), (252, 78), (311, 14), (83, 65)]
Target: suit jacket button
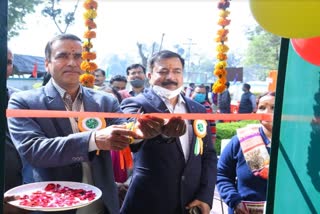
[(183, 178)]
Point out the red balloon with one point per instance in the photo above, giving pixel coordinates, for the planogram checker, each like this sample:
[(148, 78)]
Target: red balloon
[(308, 49)]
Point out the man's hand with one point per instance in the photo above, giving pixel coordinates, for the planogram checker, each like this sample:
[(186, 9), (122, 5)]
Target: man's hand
[(204, 207), (115, 137), (148, 126), (175, 127)]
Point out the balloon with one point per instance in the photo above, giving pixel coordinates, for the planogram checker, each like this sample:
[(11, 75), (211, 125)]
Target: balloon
[(308, 49), (288, 18)]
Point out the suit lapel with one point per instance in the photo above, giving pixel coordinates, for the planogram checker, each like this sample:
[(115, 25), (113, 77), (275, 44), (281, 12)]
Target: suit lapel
[(161, 107), (55, 102), (89, 104), (156, 102)]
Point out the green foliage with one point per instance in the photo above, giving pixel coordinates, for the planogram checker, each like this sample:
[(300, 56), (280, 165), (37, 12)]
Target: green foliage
[(59, 18), (17, 10), (263, 51), (228, 130)]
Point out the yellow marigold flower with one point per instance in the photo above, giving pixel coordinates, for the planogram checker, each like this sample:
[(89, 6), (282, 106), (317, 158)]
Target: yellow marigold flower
[(89, 34), (220, 72), (219, 86), (222, 56), (222, 32), (87, 80), (88, 66), (87, 45), (221, 39), (224, 13), (221, 65), (222, 48), (90, 14), (90, 24), (90, 4), (88, 55), (224, 22)]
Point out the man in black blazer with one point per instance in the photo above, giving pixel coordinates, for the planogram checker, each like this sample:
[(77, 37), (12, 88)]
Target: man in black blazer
[(168, 176)]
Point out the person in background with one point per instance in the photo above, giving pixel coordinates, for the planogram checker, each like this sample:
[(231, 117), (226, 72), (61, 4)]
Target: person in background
[(224, 100), (247, 101), (46, 78), (136, 76), (168, 175), (54, 149), (118, 82), (244, 163), (100, 78), (189, 89), (199, 95), (13, 165)]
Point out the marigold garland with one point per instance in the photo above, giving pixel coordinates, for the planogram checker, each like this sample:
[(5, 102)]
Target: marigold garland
[(87, 79), (220, 68)]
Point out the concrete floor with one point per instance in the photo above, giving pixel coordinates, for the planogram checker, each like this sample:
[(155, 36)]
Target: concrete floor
[(218, 207)]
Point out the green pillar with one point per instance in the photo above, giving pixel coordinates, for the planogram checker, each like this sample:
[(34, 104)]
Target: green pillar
[(294, 183)]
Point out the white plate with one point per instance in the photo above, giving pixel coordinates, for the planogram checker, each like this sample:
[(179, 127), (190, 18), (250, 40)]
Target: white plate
[(27, 189)]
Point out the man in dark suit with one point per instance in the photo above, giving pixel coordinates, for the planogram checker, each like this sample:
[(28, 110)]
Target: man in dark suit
[(168, 177), (53, 149), (13, 165)]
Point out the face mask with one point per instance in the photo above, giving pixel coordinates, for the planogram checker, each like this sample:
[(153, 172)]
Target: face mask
[(200, 98), (137, 83), (166, 92)]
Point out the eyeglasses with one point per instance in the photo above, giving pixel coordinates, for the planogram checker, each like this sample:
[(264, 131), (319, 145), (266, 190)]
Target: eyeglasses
[(9, 62)]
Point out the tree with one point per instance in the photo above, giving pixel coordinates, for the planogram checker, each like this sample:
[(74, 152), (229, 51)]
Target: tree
[(57, 16), (262, 52), (17, 10)]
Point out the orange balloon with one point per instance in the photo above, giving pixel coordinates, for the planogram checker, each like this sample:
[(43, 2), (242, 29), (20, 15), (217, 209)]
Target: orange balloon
[(308, 49)]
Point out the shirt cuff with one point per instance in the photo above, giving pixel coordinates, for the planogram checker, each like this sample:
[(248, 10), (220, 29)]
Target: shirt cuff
[(136, 141), (92, 143)]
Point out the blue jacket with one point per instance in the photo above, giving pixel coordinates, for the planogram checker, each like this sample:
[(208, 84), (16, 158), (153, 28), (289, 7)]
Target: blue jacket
[(49, 149), (162, 181), (235, 180)]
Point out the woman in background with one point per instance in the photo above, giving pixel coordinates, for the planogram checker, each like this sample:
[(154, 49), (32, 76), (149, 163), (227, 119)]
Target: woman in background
[(244, 163)]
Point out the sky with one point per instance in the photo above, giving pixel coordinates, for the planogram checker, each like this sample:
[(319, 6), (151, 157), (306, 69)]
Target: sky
[(123, 23)]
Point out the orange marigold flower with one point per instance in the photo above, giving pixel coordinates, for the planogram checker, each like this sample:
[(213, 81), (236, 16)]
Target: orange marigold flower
[(90, 4), (224, 22), (88, 55), (221, 39), (88, 66), (218, 87), (220, 72), (89, 34), (90, 24), (222, 56), (87, 80), (222, 32)]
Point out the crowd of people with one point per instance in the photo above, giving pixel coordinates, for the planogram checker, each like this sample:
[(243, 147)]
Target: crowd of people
[(168, 175)]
